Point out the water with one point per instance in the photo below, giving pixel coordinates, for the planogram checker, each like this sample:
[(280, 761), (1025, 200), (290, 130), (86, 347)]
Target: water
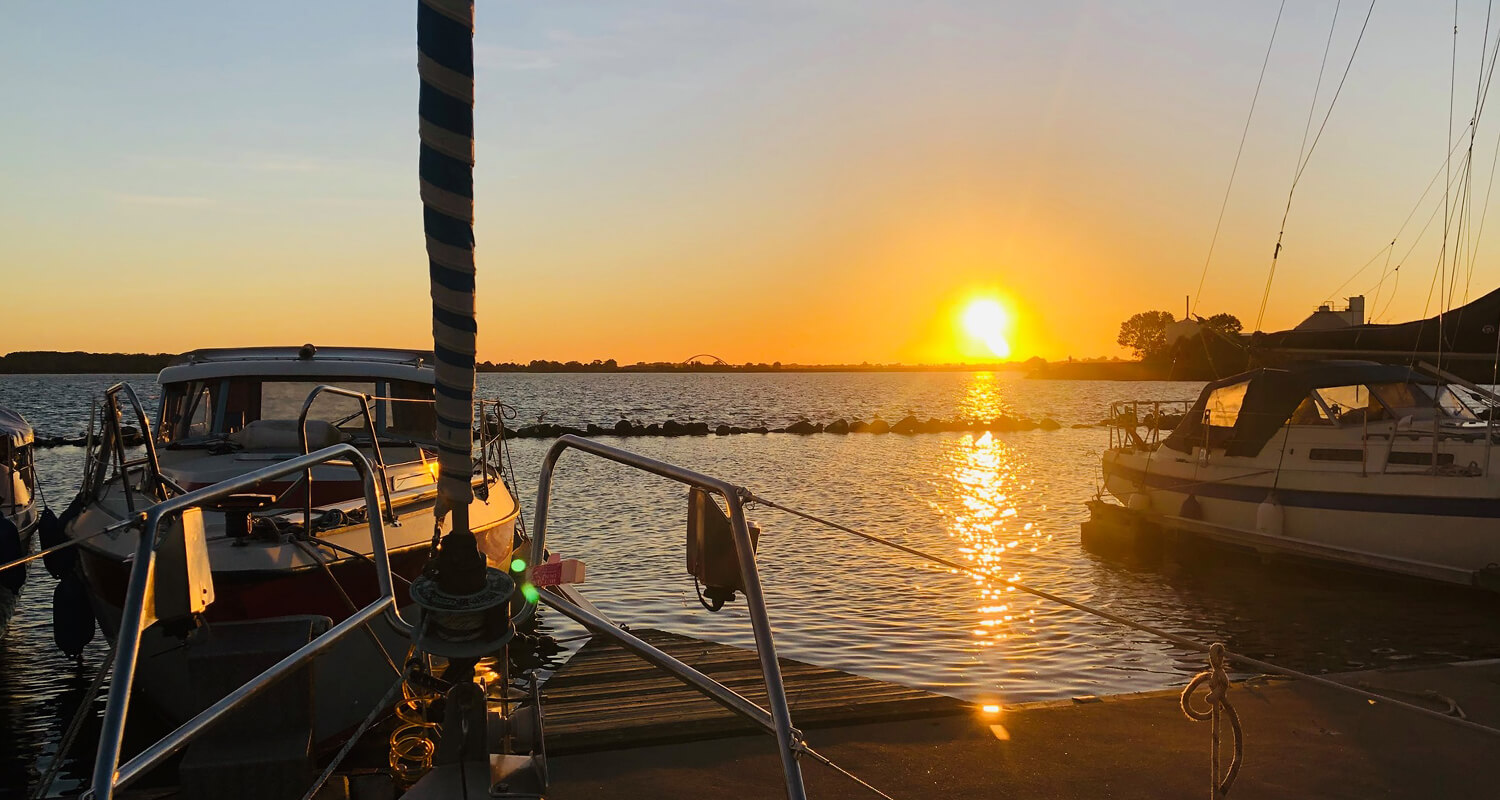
[(1012, 502)]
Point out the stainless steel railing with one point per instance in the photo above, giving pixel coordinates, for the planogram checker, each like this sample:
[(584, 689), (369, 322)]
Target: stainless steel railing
[(110, 448), (109, 774), (779, 718), (307, 476), (1126, 417)]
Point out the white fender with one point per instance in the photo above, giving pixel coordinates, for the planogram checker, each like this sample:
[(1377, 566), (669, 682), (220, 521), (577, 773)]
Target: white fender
[(1139, 501), (1269, 516)]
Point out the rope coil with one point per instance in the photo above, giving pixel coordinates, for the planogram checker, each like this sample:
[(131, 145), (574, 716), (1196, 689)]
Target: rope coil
[(1217, 697)]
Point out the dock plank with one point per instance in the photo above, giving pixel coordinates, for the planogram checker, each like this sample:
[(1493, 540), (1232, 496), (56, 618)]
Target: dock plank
[(606, 697)]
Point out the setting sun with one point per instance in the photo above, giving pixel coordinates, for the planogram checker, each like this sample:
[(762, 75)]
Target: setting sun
[(986, 321)]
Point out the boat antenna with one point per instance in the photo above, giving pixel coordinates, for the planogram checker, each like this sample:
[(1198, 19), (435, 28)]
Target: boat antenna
[(445, 63)]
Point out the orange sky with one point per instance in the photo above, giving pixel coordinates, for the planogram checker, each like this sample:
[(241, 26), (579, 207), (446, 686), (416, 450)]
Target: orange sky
[(762, 182)]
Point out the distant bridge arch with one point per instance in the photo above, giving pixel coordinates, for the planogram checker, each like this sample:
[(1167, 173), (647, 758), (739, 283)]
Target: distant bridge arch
[(712, 359)]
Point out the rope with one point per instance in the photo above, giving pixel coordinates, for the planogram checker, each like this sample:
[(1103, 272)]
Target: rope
[(445, 64), (1266, 295), (1234, 170), (375, 713), (74, 726), (1218, 706), (1177, 639), (348, 601), (824, 760)]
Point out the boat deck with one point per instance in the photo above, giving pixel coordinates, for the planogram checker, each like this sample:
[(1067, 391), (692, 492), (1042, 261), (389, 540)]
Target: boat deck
[(607, 697)]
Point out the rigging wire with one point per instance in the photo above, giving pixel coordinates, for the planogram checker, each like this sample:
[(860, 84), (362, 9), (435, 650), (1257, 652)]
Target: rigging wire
[(1481, 96), (1442, 271), (1306, 158), (1234, 170), (1317, 88), (1438, 271), (1438, 173), (1177, 639)]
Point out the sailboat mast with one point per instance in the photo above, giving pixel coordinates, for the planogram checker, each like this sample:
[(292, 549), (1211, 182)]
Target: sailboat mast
[(445, 63)]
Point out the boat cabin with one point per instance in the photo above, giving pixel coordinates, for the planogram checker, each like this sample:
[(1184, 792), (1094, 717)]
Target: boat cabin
[(252, 399), (1243, 413), (17, 469), (228, 411)]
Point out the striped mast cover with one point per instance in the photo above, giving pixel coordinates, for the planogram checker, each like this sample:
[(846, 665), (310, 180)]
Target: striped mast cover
[(445, 62)]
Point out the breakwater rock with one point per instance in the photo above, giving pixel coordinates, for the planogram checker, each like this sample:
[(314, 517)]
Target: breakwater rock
[(906, 426)]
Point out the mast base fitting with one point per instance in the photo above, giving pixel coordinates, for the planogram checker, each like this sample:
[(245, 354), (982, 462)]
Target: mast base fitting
[(471, 625)]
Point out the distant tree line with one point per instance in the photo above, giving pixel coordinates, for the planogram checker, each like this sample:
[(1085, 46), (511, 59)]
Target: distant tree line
[(610, 365), (75, 362), (48, 361)]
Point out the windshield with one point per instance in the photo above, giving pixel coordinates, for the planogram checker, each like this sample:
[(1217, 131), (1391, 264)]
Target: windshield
[(201, 411)]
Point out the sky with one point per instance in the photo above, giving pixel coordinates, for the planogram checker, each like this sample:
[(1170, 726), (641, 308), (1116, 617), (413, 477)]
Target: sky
[(826, 182)]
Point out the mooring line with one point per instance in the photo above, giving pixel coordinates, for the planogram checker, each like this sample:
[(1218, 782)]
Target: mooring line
[(1177, 639)]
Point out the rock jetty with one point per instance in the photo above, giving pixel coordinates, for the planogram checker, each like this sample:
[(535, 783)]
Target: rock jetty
[(906, 426)]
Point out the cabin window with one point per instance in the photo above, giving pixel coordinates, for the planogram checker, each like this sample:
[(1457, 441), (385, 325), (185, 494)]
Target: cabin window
[(1454, 405), (198, 409), (1222, 409), (1415, 400), (1335, 454), (1310, 412), (284, 399), (1353, 404), (410, 412)]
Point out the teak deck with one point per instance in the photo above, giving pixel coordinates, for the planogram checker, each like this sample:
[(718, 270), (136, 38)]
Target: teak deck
[(606, 697)]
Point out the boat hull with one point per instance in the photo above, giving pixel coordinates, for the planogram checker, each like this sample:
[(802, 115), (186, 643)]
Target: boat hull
[(1428, 526), (349, 677), (9, 600)]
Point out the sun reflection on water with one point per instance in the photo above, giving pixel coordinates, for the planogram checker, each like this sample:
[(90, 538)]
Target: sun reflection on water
[(989, 479)]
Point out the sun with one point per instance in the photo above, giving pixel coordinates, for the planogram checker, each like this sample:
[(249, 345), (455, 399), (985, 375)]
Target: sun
[(986, 321)]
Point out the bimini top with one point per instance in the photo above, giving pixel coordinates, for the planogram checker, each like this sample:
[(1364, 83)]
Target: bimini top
[(1269, 398), (14, 430), (300, 362)]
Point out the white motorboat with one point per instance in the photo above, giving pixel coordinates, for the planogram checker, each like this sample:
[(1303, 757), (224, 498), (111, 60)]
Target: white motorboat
[(19, 513), (1366, 464), (299, 546)]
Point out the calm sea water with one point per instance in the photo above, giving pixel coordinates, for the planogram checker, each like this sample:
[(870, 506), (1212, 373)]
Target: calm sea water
[(1010, 501)]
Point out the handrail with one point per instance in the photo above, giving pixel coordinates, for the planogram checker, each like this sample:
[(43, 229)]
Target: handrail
[(1122, 434), (307, 478), (113, 421), (108, 774), (765, 646)]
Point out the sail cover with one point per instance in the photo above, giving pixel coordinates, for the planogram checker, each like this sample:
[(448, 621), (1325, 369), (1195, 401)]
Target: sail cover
[(14, 429), (1468, 329)]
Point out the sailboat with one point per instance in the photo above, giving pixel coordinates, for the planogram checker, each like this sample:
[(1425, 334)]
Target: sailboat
[(1377, 466)]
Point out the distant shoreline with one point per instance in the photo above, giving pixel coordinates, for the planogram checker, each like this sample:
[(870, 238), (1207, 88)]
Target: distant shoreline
[(46, 362)]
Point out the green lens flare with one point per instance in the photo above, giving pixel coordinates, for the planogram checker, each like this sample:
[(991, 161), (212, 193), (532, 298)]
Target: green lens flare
[(530, 592), (518, 565)]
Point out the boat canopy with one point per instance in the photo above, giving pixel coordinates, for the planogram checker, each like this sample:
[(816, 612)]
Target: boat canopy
[(305, 361), (1242, 412), (14, 430)]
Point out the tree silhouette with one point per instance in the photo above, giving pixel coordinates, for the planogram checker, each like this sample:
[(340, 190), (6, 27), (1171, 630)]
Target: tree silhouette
[(1145, 333), (1226, 324)]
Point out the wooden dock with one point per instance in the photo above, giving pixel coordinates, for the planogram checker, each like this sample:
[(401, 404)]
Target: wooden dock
[(606, 697)]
